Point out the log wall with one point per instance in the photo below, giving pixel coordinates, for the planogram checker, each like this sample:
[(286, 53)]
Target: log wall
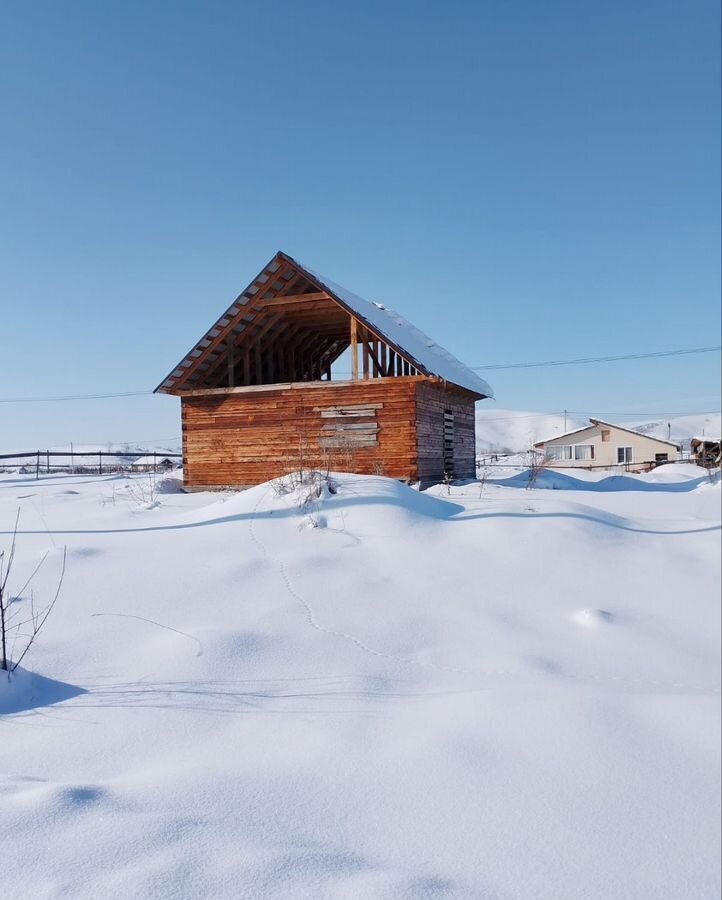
[(432, 402), (238, 439)]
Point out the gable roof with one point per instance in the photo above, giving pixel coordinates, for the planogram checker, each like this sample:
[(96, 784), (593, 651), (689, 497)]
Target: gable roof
[(423, 353), (599, 422), (566, 434), (638, 433)]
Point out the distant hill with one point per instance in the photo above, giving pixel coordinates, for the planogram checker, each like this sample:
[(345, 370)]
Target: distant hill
[(683, 428), (514, 431)]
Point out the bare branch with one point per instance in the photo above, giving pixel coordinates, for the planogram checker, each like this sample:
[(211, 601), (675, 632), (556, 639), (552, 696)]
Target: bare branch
[(42, 618)]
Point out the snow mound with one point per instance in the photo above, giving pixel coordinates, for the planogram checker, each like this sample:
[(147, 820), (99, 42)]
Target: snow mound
[(683, 477), (352, 689), (592, 618), (170, 484)]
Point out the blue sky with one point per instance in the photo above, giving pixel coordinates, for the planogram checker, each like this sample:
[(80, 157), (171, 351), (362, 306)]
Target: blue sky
[(522, 180)]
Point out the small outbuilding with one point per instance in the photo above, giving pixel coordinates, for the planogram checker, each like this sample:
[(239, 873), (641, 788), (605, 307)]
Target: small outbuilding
[(603, 444), (259, 398), (706, 451), (154, 463)]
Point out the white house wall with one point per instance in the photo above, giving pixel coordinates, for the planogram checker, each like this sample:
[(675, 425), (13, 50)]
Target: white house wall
[(644, 449)]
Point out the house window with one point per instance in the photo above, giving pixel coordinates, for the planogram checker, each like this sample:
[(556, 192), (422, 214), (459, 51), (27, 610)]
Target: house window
[(584, 451), (552, 453), (624, 454), (661, 457), (605, 434)]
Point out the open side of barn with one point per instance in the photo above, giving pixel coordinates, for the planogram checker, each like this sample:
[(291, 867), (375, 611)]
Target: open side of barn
[(258, 399)]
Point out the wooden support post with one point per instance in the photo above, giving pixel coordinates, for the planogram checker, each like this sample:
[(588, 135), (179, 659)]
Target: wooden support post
[(377, 371), (384, 371), (354, 349), (365, 351), (231, 354)]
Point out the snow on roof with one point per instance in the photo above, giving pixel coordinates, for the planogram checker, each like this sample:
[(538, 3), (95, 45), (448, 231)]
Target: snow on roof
[(418, 346), (594, 422), (558, 437), (154, 460), (707, 439)]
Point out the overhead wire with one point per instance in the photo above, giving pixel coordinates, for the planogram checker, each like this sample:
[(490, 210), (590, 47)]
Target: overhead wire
[(496, 366)]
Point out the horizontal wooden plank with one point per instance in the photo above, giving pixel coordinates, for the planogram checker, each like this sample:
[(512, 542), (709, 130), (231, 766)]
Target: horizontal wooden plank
[(350, 408), (348, 443), (350, 426)]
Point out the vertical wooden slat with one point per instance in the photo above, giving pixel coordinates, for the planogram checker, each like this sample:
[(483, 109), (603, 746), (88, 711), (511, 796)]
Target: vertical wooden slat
[(354, 349), (365, 351), (231, 353)]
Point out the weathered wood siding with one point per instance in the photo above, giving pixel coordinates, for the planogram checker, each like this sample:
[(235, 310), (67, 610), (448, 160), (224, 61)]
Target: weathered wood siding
[(241, 439), (432, 401)]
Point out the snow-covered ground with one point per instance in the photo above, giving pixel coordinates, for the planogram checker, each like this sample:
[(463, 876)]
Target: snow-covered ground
[(492, 693)]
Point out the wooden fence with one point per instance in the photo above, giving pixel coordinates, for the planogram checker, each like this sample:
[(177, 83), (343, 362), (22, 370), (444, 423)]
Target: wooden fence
[(98, 462)]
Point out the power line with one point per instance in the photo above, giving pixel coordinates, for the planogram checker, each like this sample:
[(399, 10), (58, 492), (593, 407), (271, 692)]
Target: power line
[(75, 397), (575, 412), (597, 359), (519, 365)]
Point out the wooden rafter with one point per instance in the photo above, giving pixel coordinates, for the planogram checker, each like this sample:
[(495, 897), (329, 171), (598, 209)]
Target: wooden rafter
[(246, 310), (288, 324)]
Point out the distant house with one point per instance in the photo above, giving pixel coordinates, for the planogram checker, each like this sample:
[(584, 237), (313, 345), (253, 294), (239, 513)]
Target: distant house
[(706, 451), (154, 463), (603, 444), (260, 397)]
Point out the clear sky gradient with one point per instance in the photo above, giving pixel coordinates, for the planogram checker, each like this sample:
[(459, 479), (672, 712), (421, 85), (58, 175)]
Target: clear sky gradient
[(522, 180)]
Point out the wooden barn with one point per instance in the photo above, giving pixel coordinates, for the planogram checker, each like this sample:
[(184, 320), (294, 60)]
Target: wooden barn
[(258, 397)]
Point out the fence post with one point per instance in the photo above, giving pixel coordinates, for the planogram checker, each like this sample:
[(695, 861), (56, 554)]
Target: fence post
[(47, 461), (37, 468), (100, 462), (155, 463)]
